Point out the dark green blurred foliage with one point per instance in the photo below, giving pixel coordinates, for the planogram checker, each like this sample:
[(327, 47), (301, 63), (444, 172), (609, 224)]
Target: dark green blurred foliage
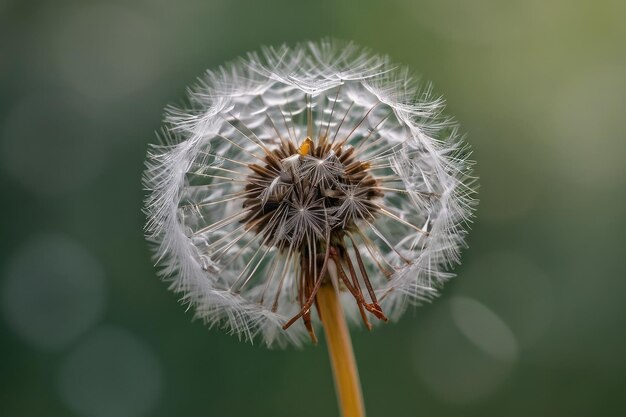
[(533, 325)]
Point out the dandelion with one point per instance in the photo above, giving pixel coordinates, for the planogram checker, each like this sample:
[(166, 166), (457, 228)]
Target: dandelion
[(304, 185)]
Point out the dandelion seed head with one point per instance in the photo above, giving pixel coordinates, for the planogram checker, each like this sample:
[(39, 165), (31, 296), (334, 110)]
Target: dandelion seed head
[(297, 161)]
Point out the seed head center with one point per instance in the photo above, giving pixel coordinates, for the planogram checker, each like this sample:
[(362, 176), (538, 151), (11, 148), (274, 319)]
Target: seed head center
[(302, 195)]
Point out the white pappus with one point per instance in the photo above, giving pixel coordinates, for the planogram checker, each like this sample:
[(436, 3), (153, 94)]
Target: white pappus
[(296, 160)]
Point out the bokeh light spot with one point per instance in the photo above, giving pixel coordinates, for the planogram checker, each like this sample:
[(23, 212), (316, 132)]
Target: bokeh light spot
[(516, 289), (484, 328), (53, 291), (451, 364), (112, 373)]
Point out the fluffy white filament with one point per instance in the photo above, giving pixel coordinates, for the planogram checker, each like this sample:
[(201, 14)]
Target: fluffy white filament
[(196, 176)]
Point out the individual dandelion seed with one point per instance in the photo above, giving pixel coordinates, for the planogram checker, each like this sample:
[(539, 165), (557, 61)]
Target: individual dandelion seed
[(303, 183)]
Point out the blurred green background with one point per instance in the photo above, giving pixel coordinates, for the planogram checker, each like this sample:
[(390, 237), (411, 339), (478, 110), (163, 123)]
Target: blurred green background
[(533, 325)]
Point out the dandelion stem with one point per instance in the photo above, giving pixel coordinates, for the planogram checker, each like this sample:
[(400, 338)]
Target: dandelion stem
[(339, 345)]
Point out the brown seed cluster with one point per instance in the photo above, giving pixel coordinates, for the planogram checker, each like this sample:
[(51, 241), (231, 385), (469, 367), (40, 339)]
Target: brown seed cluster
[(303, 193), (310, 199)]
